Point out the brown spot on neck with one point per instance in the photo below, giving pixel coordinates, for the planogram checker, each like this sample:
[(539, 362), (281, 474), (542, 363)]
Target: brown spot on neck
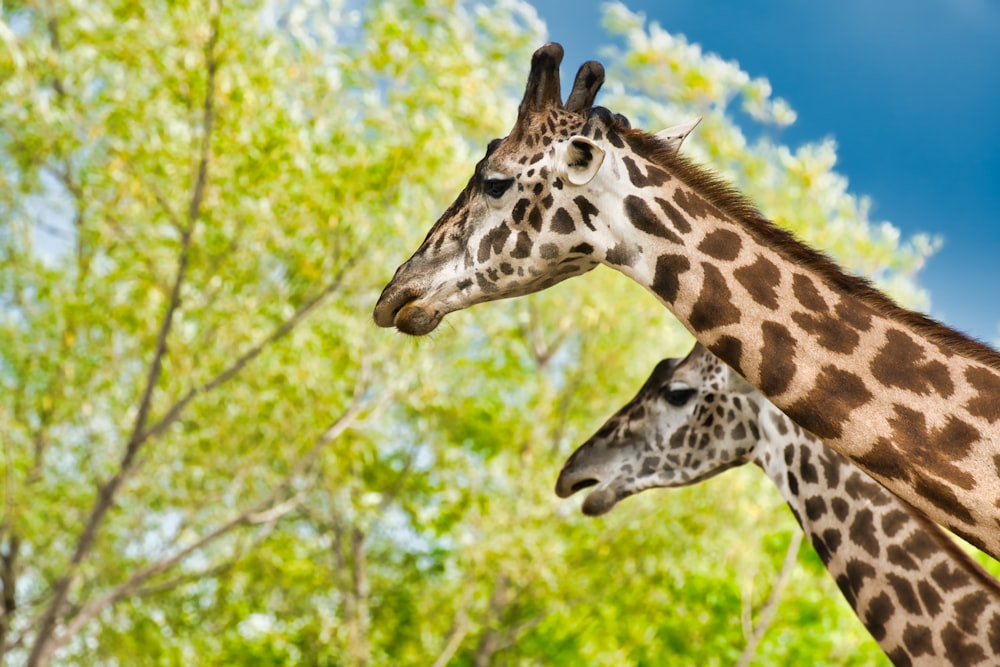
[(666, 279), (778, 353), (730, 350), (900, 364), (934, 450), (807, 295), (987, 404), (714, 307), (760, 280), (828, 332), (721, 244), (834, 396), (637, 212)]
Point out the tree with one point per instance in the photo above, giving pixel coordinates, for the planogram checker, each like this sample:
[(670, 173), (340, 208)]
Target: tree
[(210, 455)]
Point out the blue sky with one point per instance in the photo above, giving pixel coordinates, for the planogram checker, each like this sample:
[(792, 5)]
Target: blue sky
[(910, 91)]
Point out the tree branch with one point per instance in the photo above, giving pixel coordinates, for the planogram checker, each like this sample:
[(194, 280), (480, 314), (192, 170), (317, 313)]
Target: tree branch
[(766, 615), (459, 629), (286, 327), (8, 581), (256, 515), (267, 511)]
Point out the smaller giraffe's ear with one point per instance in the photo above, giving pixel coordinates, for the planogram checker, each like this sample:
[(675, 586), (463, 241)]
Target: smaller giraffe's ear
[(674, 136), (579, 159)]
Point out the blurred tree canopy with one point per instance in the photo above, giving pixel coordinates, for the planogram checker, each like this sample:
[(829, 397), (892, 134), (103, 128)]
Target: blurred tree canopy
[(210, 455)]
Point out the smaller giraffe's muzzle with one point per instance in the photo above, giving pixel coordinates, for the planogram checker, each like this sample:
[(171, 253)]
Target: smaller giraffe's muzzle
[(599, 501), (578, 474)]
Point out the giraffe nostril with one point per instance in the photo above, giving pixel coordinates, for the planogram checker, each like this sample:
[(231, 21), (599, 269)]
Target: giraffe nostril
[(582, 484)]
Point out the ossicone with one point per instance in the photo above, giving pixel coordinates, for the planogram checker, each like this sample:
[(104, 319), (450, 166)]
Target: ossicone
[(542, 90), (589, 79)]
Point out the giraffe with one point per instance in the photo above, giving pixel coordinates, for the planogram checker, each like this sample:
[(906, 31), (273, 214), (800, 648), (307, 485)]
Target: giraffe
[(914, 404), (923, 600)]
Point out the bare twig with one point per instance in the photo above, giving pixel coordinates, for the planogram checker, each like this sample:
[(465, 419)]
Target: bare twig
[(534, 335), (53, 26), (286, 327), (766, 615), (459, 629)]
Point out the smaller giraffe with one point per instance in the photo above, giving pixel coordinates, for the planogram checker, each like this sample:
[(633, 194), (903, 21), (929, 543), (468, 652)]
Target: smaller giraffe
[(923, 600)]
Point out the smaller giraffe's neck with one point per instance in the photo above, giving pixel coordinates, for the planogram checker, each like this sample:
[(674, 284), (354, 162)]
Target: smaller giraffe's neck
[(919, 412), (882, 555)]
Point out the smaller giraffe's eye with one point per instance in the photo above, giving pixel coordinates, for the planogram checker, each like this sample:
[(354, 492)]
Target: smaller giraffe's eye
[(678, 396), (496, 187)]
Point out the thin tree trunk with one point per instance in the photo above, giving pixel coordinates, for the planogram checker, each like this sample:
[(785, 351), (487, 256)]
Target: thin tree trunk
[(362, 621), (8, 581), (490, 641)]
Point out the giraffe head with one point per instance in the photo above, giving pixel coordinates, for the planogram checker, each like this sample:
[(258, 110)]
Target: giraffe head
[(693, 419), (530, 216)]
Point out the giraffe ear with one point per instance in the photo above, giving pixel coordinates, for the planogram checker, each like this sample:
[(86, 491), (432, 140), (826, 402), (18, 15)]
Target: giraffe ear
[(579, 159), (674, 136)]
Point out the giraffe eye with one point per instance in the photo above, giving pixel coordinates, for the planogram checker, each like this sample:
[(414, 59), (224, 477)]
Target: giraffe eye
[(496, 187), (678, 396)]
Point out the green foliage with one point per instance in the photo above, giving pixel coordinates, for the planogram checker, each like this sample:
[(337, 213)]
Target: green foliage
[(279, 482)]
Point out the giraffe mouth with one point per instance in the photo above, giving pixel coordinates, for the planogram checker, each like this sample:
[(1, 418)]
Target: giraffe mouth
[(599, 501), (582, 484), (402, 308)]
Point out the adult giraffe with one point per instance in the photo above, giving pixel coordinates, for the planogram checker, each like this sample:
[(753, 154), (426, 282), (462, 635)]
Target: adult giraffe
[(923, 599), (911, 402)]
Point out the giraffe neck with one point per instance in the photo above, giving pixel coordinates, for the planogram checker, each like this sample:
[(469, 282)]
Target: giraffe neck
[(913, 404), (922, 599)]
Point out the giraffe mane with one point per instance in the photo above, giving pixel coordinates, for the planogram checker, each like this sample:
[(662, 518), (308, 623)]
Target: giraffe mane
[(726, 198)]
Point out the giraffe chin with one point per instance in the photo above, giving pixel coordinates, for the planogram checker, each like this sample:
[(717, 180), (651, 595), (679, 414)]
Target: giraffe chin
[(600, 501), (416, 320)]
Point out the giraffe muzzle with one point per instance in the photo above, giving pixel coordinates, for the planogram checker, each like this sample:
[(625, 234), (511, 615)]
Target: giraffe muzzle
[(402, 308), (599, 501)]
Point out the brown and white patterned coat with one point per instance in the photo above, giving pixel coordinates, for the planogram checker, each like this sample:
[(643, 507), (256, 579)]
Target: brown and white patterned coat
[(923, 600)]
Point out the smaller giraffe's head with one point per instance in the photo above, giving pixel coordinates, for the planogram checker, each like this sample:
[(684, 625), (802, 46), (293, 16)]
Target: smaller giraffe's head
[(693, 419), (530, 216)]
